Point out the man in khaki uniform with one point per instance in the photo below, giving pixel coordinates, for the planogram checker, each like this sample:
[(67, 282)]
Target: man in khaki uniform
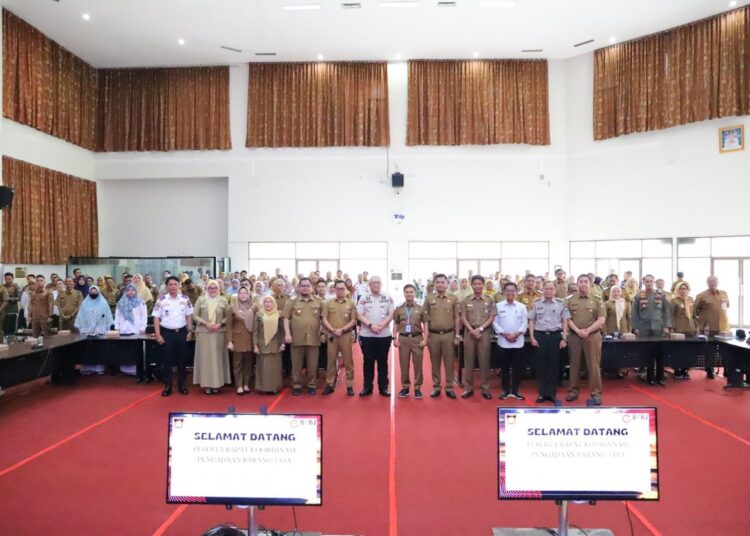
[(477, 313), (68, 302), (561, 284), (40, 309), (4, 302), (587, 315), (302, 317), (409, 324), (444, 321), (529, 294), (710, 311), (339, 317)]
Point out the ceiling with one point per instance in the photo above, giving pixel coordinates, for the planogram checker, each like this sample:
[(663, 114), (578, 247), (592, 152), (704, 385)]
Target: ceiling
[(145, 33)]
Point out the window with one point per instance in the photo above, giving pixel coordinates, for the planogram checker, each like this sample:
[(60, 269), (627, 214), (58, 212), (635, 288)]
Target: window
[(604, 257), (317, 250), (271, 250), (479, 250), (432, 250)]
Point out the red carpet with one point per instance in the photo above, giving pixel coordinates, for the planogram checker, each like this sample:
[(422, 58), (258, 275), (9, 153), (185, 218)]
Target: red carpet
[(439, 480)]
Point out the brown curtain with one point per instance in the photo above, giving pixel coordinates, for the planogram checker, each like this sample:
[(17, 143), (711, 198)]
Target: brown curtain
[(478, 102), (45, 86), (687, 74), (54, 215), (318, 105), (164, 109)]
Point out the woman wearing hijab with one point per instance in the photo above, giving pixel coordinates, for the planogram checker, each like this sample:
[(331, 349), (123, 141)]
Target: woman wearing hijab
[(94, 317), (143, 291), (269, 343), (81, 286), (130, 319), (260, 290), (453, 287), (211, 369), (617, 312), (464, 290), (240, 327), (489, 288), (683, 320), (234, 287)]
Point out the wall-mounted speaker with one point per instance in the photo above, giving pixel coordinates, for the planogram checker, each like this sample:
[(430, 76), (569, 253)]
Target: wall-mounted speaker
[(6, 197), (397, 180)]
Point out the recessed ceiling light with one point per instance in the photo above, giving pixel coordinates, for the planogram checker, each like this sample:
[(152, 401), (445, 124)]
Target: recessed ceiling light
[(86, 16), (476, 54), (301, 7), (180, 41), (400, 3), (320, 57), (612, 40), (733, 3), (497, 3)]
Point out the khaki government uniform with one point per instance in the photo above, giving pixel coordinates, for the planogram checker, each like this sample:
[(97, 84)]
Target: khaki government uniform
[(477, 310), (243, 358), (561, 289), (304, 324), (584, 311), (339, 314), (681, 322), (4, 301), (528, 298), (711, 310), (68, 302), (40, 309), (441, 312), (410, 351), (610, 326)]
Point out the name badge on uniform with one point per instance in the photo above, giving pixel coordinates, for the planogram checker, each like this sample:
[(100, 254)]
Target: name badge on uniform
[(407, 328), (382, 314), (724, 305)]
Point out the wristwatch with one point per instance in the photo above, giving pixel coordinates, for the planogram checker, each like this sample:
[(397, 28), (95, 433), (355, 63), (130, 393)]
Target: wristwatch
[(481, 329)]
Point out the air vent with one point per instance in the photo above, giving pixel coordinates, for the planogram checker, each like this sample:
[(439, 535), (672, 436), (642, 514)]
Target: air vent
[(583, 43), (533, 50), (231, 49), (351, 5), (446, 3), (265, 53)]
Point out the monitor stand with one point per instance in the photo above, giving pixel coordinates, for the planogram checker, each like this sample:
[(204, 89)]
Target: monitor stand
[(562, 529), (252, 526)]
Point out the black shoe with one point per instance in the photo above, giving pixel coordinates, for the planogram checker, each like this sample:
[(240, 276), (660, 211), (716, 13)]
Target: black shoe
[(349, 391), (140, 381), (486, 395), (517, 395), (328, 390), (296, 391), (435, 393), (710, 375), (183, 390), (467, 394), (365, 392), (167, 391), (504, 395), (311, 391), (540, 399), (451, 395), (385, 392), (552, 399), (403, 393), (418, 393), (661, 383)]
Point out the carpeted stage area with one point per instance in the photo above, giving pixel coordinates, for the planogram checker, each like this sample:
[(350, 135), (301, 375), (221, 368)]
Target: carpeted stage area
[(91, 459)]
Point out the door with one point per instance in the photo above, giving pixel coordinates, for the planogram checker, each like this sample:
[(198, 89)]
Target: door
[(729, 273)]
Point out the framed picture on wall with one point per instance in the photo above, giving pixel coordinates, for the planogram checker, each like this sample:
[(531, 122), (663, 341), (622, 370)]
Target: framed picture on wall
[(731, 139)]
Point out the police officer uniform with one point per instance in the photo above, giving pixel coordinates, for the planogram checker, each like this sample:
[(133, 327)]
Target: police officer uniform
[(4, 305), (651, 315), (376, 309), (173, 314), (68, 302), (442, 312), (408, 321), (304, 314), (548, 318), (584, 312), (340, 314), (477, 312)]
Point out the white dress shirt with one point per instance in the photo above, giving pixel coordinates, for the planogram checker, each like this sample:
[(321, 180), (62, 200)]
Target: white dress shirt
[(511, 318), (135, 326)]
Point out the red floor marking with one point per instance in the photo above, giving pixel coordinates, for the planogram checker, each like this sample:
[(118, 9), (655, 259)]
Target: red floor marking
[(180, 509), (693, 415), (643, 519), (80, 432), (392, 506)]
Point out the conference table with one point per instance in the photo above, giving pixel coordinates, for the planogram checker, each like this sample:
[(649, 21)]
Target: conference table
[(21, 363)]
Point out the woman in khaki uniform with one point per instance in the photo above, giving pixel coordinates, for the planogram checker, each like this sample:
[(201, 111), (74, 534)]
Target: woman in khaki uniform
[(618, 312), (211, 369), (240, 327), (683, 320), (269, 343)]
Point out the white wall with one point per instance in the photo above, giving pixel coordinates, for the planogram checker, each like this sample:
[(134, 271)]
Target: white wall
[(160, 218), (665, 183)]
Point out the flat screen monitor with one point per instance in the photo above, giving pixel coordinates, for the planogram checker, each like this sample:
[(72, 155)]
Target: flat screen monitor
[(244, 459), (582, 453)]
